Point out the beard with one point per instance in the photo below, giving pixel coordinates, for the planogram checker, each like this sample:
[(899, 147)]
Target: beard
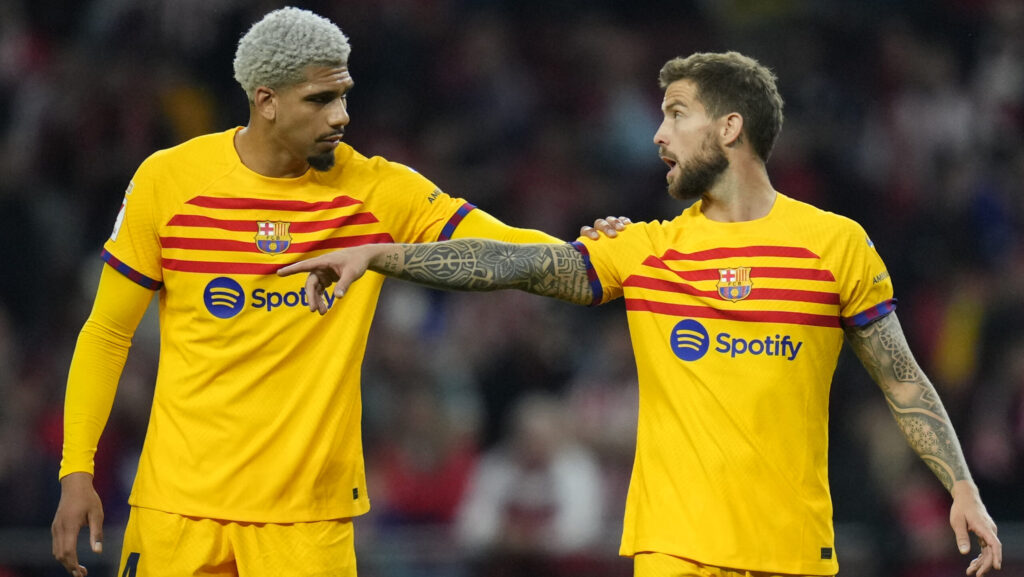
[(700, 173), (322, 162)]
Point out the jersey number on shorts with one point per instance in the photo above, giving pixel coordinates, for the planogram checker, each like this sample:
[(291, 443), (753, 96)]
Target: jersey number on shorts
[(131, 565)]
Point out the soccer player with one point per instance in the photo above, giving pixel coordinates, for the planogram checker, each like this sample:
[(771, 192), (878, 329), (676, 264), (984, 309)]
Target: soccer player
[(252, 463), (737, 311)]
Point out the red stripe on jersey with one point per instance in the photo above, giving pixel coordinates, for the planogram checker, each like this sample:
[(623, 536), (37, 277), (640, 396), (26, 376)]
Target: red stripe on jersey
[(220, 267), (795, 295), (690, 275), (195, 220), (207, 222), (258, 268), (207, 244), (785, 317), (294, 248), (344, 241), (743, 251), (789, 272), (269, 204), (660, 284), (770, 294), (755, 272), (347, 220)]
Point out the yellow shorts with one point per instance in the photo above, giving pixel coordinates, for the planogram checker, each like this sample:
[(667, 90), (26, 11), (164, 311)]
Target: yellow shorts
[(661, 565), (158, 543)]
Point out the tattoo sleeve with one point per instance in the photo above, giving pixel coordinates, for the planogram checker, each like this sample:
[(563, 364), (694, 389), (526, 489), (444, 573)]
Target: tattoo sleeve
[(883, 350), (554, 270)]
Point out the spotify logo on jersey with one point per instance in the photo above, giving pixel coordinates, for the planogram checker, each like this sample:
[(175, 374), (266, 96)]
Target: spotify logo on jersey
[(689, 340), (224, 297)]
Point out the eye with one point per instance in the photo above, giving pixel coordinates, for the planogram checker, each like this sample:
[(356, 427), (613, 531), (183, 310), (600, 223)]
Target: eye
[(322, 97)]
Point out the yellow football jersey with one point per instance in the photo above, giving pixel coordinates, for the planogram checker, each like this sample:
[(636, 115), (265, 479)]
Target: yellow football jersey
[(736, 329), (257, 408)]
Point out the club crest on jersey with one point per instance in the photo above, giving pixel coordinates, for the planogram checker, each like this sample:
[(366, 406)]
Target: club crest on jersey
[(734, 283), (272, 237)]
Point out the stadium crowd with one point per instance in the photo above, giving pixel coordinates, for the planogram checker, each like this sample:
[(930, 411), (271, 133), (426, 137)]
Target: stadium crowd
[(499, 429)]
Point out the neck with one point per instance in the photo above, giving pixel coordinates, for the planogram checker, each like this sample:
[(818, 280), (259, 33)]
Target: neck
[(743, 193), (259, 152)]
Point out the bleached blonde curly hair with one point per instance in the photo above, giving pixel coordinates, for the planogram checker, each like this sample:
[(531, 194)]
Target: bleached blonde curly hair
[(277, 49)]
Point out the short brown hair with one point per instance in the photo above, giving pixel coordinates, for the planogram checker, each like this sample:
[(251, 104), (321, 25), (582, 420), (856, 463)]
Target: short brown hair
[(731, 82)]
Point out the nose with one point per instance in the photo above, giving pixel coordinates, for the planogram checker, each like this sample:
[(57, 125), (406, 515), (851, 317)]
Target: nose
[(337, 113), (660, 136)]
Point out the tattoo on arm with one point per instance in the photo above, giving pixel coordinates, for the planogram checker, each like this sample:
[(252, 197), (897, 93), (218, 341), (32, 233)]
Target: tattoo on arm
[(883, 350), (392, 262), (554, 270)]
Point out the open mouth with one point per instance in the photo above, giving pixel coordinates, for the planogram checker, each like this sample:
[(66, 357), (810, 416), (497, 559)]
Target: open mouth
[(672, 164)]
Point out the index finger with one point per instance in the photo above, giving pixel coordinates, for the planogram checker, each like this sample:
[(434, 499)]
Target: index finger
[(308, 265)]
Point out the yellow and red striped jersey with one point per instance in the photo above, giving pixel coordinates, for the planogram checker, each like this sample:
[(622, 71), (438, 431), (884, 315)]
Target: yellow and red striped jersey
[(737, 328), (256, 412)]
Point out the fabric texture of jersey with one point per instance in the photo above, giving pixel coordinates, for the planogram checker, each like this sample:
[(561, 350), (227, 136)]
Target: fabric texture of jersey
[(159, 544), (737, 329), (100, 355), (256, 412)]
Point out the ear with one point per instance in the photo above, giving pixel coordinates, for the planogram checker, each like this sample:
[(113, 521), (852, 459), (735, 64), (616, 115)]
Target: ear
[(265, 102), (731, 129)]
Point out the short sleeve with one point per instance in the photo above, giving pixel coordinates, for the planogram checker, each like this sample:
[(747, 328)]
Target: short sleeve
[(134, 244), (478, 224), (610, 261), (865, 291), (415, 209)]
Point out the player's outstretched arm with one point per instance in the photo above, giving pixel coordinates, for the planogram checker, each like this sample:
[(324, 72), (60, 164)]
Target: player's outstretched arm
[(554, 270), (884, 352)]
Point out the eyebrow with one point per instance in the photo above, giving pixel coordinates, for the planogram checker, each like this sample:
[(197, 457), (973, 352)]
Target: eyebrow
[(320, 94), (673, 103), (332, 93)]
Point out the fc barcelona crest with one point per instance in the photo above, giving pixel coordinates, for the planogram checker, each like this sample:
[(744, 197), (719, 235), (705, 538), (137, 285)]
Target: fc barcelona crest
[(272, 237), (734, 283)]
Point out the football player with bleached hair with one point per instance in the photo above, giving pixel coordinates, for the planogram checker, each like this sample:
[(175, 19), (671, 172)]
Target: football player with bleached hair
[(253, 459)]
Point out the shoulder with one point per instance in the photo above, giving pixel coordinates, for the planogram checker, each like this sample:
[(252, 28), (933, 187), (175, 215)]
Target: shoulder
[(643, 236), (376, 167), (206, 152), (636, 232), (629, 246), (812, 214), (820, 221), (841, 242), (655, 233), (382, 183), (376, 173)]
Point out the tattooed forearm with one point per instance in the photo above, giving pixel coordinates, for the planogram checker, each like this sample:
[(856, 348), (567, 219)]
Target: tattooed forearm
[(391, 262), (555, 270), (883, 350)]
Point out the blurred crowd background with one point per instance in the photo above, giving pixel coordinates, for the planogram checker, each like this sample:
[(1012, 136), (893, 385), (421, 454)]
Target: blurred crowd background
[(499, 428)]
